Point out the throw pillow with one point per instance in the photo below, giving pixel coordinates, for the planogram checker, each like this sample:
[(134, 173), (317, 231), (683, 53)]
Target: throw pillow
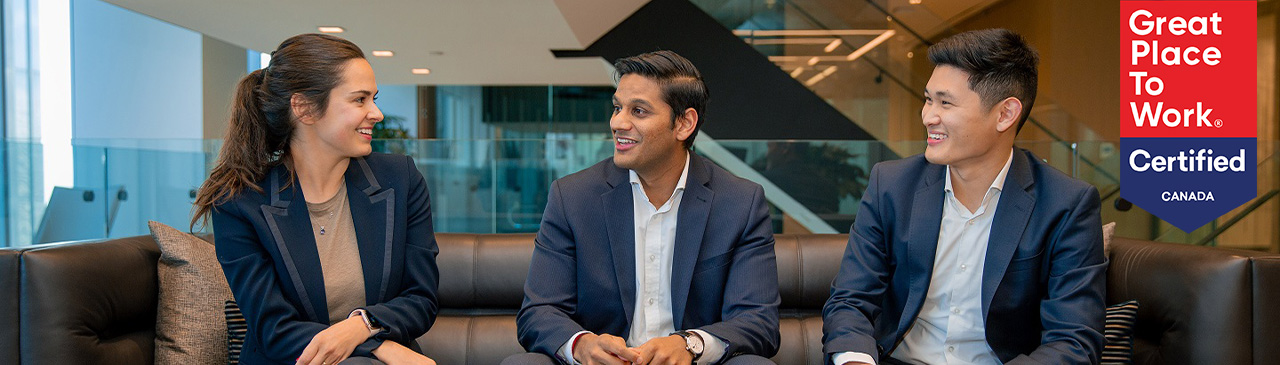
[(236, 329), (1119, 333), (189, 324), (1108, 232)]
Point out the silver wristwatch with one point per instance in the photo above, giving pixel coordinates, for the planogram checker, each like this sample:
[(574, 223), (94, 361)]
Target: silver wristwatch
[(692, 343)]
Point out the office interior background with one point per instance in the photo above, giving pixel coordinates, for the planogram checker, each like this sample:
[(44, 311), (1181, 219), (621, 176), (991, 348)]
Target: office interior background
[(114, 110)]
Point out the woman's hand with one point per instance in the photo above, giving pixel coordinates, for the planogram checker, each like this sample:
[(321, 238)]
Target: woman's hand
[(394, 353), (335, 343)]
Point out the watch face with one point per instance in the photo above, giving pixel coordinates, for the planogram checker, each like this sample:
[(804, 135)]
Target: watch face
[(695, 344)]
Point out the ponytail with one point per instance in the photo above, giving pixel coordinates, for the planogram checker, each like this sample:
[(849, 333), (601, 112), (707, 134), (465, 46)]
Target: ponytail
[(246, 154)]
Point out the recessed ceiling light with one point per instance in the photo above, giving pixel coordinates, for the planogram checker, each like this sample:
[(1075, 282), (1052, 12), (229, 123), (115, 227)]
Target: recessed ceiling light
[(383, 53), (332, 30), (421, 71)]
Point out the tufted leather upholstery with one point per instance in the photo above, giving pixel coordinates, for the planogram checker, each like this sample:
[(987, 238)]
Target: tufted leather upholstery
[(1198, 305), (94, 302)]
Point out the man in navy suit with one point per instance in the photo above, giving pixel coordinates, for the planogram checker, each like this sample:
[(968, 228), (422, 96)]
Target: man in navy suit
[(654, 256), (975, 252)]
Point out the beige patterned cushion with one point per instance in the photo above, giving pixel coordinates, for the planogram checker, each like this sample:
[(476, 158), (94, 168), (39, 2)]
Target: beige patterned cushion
[(1108, 232), (190, 328)]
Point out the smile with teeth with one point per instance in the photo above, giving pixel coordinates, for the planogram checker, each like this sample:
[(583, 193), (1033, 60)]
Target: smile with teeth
[(366, 131), (937, 136), (625, 141)]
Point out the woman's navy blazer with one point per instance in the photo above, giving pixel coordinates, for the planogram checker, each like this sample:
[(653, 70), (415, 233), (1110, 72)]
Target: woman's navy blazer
[(268, 251)]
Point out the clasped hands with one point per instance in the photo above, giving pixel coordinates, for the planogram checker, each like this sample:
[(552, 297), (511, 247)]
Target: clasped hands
[(606, 349), (336, 343)]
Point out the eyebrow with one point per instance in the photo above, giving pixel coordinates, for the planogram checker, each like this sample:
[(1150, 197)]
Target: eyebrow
[(937, 94), (635, 101), (365, 92)]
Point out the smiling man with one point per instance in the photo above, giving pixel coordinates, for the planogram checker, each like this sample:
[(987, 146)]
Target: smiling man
[(975, 252), (654, 256)]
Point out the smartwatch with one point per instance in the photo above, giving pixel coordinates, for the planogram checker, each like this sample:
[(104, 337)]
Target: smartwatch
[(369, 322)]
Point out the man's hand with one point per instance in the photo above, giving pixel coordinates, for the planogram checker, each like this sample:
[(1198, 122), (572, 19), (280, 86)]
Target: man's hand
[(669, 350), (393, 353), (335, 343), (605, 349)]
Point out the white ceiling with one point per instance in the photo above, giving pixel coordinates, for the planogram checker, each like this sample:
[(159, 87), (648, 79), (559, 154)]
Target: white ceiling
[(471, 42)]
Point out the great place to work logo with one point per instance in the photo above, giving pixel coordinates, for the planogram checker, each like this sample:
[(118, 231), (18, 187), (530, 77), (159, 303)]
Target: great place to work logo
[(1188, 94)]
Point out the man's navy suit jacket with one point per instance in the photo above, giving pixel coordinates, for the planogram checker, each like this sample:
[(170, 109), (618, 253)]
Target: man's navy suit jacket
[(265, 244), (724, 278), (1042, 285)]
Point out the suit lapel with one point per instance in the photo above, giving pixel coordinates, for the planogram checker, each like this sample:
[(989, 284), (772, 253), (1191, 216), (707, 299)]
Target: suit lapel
[(372, 210), (922, 242), (691, 223), (290, 225), (619, 214), (1012, 214)]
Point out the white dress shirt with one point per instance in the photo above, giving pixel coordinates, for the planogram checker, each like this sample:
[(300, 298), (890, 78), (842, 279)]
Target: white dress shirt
[(655, 238), (950, 328)]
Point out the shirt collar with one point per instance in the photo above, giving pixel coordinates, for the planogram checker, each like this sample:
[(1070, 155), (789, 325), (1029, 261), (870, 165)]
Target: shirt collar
[(684, 175), (997, 184)]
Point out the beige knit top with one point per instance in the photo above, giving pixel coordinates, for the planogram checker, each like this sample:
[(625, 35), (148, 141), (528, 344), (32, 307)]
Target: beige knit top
[(339, 255)]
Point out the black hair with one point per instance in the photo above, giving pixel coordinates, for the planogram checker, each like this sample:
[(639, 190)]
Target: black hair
[(999, 62), (681, 83)]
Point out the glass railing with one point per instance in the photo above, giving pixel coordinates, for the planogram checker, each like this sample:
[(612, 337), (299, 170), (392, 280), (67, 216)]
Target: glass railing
[(500, 186)]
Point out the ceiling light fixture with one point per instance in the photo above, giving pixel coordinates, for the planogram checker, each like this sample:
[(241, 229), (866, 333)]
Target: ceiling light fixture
[(872, 44), (796, 73), (421, 71), (819, 77), (383, 53), (833, 45), (813, 61), (331, 29), (914, 2)]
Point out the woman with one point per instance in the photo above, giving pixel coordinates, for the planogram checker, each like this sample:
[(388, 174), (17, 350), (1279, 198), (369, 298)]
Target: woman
[(328, 248)]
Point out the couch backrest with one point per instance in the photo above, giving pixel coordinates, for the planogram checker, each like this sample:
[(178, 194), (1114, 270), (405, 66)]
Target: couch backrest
[(1266, 308), (1197, 305), (483, 271), (89, 303), (486, 272)]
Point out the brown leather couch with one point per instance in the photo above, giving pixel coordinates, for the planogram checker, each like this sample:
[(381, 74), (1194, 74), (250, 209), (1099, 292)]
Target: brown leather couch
[(94, 302)]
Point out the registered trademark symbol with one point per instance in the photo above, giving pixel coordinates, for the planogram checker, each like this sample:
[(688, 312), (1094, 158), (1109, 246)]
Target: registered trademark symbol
[(1217, 123)]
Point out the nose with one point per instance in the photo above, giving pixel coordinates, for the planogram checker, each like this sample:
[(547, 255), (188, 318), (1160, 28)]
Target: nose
[(928, 117), (619, 122), (376, 114)]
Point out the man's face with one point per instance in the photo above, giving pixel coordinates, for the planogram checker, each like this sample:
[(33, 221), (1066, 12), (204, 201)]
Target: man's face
[(645, 139), (961, 130)]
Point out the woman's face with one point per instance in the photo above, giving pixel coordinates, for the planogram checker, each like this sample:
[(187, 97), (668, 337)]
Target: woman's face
[(346, 126)]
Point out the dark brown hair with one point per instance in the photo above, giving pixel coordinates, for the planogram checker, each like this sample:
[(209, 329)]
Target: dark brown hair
[(999, 62), (262, 119), (681, 83)]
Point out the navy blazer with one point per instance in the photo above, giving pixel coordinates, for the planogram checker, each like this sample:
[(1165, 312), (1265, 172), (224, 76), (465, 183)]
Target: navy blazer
[(724, 279), (268, 251), (1042, 284)]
